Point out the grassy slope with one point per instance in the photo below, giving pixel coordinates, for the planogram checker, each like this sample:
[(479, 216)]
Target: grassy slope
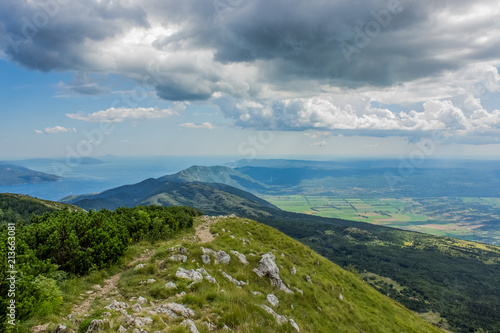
[(14, 207), (318, 310)]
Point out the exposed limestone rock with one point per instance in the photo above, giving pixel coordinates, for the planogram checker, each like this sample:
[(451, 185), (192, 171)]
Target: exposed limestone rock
[(293, 271), (233, 280), (117, 306), (136, 307), (222, 257), (267, 267), (241, 257), (139, 266), (142, 321), (141, 300), (177, 309), (245, 241), (256, 293), (182, 250), (308, 279), (190, 324), (178, 257), (273, 300), (294, 325), (299, 291), (189, 274), (210, 279), (280, 319), (95, 325), (122, 329), (170, 285), (151, 281), (60, 329), (208, 251), (341, 297), (129, 320), (205, 258), (207, 276)]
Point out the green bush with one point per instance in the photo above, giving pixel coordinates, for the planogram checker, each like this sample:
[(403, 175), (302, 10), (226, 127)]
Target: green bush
[(64, 243)]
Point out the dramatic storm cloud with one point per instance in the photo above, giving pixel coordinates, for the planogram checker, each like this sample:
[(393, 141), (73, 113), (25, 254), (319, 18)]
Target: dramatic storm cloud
[(359, 67)]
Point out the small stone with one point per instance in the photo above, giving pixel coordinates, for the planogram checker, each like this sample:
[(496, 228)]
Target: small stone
[(151, 281), (273, 300), (293, 271), (95, 325), (280, 319), (222, 257), (122, 329), (170, 285), (308, 279), (205, 258), (60, 329), (294, 325), (190, 324), (233, 280), (136, 307), (141, 300), (178, 258), (256, 293), (341, 297), (189, 274), (142, 321), (183, 250), (117, 306), (139, 266), (241, 257)]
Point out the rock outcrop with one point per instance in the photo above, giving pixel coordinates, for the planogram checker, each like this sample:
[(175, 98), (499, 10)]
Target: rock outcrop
[(267, 267)]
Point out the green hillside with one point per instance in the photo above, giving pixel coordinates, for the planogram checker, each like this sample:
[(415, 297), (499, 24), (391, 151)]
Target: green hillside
[(147, 292), (209, 198), (20, 207)]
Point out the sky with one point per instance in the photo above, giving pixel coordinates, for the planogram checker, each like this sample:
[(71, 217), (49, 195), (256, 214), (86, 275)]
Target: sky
[(249, 78)]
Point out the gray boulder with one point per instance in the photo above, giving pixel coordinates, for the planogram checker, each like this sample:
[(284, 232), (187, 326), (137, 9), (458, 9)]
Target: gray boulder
[(189, 274), (60, 329), (273, 300), (267, 267), (190, 324)]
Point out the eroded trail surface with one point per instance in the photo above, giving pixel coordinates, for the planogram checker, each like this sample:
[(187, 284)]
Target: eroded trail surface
[(110, 286), (203, 230)]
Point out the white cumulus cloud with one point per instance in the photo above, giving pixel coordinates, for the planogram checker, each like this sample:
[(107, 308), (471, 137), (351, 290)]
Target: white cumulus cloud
[(122, 114), (205, 125), (55, 130)]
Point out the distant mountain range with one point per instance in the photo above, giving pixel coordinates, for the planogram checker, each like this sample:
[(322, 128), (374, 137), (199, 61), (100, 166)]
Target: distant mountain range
[(11, 174)]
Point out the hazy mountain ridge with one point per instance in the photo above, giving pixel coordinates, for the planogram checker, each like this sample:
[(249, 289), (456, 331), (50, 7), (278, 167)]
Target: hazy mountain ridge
[(12, 174), (217, 174), (210, 198)]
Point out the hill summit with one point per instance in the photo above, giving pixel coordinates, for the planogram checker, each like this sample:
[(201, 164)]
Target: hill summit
[(231, 274)]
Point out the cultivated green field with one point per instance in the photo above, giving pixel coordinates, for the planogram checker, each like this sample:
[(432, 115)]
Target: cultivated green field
[(476, 219)]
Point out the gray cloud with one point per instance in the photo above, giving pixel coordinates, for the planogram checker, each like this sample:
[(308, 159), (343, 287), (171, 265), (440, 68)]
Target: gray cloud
[(277, 64)]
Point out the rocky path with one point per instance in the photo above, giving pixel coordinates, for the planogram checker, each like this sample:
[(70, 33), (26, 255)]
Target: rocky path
[(110, 285), (203, 230)]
